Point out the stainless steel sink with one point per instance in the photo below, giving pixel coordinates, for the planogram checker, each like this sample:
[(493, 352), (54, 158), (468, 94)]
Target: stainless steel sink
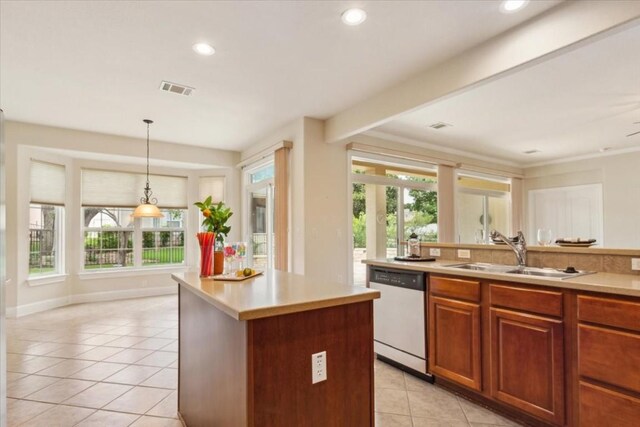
[(481, 266), (550, 273)]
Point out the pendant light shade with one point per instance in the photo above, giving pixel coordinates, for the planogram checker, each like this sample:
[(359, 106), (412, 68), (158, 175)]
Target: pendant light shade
[(147, 211), (147, 207)]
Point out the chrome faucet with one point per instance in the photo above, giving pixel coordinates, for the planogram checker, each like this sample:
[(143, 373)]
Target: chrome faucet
[(518, 245)]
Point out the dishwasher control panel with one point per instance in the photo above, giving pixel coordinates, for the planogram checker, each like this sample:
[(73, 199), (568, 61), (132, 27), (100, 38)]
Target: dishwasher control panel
[(402, 279)]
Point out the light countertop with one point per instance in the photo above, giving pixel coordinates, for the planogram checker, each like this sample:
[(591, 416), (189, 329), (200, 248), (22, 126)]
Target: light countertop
[(272, 293), (611, 283)]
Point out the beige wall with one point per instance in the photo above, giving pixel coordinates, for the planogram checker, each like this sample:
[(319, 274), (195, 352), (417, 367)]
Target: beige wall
[(327, 244), (27, 141), (618, 175), (318, 179)]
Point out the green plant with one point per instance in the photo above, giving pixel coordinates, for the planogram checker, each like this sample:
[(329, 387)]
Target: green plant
[(215, 218)]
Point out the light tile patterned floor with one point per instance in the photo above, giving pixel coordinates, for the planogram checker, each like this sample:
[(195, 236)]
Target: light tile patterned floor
[(114, 364), (106, 364), (404, 400)]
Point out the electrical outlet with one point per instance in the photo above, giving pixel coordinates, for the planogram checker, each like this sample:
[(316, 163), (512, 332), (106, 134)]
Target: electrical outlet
[(434, 251), (464, 253), (635, 263), (318, 367)]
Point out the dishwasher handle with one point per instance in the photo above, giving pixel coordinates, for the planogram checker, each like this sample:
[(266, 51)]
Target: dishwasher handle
[(399, 278)]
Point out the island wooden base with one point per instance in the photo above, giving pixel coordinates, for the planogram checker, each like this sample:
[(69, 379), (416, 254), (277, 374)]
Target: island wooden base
[(258, 372)]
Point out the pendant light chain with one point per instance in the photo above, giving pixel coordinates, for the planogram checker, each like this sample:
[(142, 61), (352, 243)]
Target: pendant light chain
[(148, 153), (147, 189), (147, 207)]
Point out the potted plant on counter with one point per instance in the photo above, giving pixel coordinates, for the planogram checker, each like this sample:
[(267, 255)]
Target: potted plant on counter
[(215, 221)]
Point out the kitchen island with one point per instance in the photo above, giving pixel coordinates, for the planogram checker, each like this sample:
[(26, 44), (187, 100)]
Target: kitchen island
[(246, 352)]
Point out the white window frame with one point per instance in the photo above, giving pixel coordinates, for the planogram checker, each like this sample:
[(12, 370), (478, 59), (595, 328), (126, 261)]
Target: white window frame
[(137, 244), (59, 243), (485, 202), (400, 184), (139, 229)]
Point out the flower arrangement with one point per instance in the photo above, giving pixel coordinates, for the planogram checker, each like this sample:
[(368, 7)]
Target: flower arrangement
[(215, 218)]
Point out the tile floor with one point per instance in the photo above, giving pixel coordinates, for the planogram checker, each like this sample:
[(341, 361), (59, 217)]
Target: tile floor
[(103, 364), (115, 364)]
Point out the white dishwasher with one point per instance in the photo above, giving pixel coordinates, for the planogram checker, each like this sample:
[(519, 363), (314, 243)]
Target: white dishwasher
[(399, 319)]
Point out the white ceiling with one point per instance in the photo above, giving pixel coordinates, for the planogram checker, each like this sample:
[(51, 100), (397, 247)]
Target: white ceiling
[(97, 66), (571, 105)]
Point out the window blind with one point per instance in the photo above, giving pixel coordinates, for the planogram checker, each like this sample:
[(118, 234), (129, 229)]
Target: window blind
[(211, 186), (124, 189), (47, 183)]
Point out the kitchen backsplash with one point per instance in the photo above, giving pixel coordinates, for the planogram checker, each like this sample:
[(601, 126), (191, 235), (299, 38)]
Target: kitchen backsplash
[(603, 260)]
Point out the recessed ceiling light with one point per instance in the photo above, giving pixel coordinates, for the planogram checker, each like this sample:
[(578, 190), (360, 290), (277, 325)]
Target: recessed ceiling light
[(510, 6), (603, 149), (534, 151), (203, 49), (354, 16)]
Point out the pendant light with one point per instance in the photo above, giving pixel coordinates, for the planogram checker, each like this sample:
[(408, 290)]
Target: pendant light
[(147, 207)]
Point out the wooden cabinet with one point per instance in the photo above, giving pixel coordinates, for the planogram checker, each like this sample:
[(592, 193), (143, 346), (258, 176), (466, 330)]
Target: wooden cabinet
[(527, 369), (527, 350), (601, 407), (552, 357), (608, 362), (454, 341)]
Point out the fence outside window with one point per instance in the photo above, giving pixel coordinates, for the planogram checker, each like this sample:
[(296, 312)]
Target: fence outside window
[(44, 239)]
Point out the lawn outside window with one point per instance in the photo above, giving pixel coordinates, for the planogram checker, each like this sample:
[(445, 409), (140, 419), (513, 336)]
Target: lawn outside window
[(114, 240), (163, 239)]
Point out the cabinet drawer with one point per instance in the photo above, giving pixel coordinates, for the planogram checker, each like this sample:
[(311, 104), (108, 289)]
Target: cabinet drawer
[(532, 300), (601, 407), (608, 311), (468, 290), (609, 356)]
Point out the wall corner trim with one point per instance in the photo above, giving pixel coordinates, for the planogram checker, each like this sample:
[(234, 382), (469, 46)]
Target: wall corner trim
[(265, 153)]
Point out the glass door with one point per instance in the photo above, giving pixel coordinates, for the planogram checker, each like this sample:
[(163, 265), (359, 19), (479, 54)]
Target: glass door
[(260, 240)]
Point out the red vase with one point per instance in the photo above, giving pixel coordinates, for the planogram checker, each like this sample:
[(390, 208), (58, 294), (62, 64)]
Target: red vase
[(206, 241)]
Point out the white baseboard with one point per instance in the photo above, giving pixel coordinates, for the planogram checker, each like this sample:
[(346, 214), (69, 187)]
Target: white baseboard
[(36, 307), (124, 294)]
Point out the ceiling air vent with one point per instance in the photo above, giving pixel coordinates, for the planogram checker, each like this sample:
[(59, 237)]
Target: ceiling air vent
[(176, 88), (440, 125)]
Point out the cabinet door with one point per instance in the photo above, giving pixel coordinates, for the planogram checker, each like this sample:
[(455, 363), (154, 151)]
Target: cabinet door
[(454, 341), (527, 368)]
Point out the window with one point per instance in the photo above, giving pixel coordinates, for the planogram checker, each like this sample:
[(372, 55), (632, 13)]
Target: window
[(46, 212), (45, 243), (390, 201), (163, 238), (113, 239), (259, 197), (108, 237), (482, 204)]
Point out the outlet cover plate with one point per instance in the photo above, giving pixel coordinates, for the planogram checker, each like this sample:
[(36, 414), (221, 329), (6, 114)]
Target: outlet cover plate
[(635, 263), (434, 251), (318, 367), (464, 253)]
